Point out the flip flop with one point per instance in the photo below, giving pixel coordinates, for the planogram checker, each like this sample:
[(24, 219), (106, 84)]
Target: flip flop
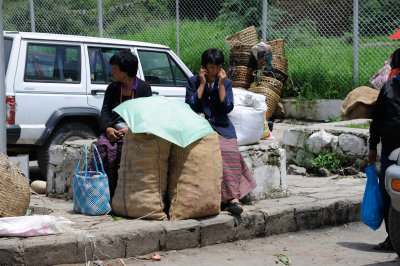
[(385, 245), (235, 208)]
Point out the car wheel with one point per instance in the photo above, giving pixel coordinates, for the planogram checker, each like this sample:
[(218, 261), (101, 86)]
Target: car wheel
[(394, 229), (64, 132)]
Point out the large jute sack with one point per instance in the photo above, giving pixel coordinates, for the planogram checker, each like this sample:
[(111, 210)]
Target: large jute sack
[(194, 179), (359, 103), (15, 192), (142, 177)]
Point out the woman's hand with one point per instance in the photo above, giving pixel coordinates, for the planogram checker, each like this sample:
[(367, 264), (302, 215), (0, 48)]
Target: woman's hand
[(122, 132), (202, 74), (111, 134), (222, 77), (371, 156)]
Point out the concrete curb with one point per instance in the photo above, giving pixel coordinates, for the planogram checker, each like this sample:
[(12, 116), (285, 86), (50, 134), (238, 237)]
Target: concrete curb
[(128, 238)]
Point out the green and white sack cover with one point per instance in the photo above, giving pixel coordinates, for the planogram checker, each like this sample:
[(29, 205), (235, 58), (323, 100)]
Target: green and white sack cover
[(170, 119)]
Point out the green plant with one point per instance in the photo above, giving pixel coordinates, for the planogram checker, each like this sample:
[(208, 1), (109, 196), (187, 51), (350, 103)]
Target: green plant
[(334, 119), (362, 126), (329, 161)]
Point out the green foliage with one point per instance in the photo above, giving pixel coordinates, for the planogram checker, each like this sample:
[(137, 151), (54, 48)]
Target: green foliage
[(319, 67), (192, 46), (194, 10), (362, 126), (374, 12), (329, 161), (334, 119)]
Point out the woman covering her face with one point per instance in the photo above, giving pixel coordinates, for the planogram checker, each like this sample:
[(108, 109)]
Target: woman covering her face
[(210, 93)]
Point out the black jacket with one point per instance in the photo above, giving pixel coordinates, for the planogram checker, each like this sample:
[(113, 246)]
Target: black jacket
[(385, 124), (112, 99)]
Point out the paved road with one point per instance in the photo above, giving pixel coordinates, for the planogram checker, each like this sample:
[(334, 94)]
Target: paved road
[(349, 244)]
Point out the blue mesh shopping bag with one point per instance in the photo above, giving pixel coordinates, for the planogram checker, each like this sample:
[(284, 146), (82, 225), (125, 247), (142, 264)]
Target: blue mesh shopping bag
[(91, 190)]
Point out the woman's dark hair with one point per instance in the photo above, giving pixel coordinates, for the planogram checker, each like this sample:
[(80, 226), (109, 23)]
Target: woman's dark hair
[(395, 63), (212, 56), (126, 61)]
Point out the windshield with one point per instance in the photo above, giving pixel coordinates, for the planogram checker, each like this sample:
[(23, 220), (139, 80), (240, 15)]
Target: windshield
[(7, 51)]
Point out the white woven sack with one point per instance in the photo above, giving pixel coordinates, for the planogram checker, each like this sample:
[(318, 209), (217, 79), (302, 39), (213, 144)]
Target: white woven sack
[(248, 116)]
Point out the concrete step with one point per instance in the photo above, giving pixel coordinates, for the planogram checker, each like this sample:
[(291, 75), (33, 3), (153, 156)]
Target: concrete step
[(312, 203)]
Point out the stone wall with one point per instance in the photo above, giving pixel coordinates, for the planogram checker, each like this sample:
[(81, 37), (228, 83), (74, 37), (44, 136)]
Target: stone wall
[(318, 110), (306, 142), (266, 160)]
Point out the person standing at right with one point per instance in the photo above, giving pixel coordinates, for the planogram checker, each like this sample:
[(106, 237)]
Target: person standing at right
[(385, 128)]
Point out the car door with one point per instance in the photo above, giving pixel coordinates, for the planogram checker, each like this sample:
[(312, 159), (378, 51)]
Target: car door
[(48, 78), (163, 70), (99, 74)]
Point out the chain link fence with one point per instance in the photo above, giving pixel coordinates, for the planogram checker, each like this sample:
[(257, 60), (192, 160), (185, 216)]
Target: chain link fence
[(330, 51)]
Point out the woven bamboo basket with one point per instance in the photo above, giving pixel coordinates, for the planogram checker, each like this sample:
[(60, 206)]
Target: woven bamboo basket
[(241, 73), (241, 85), (272, 99), (247, 36), (278, 47), (241, 48), (242, 59), (266, 85), (14, 189), (278, 62), (267, 79), (241, 55), (277, 74)]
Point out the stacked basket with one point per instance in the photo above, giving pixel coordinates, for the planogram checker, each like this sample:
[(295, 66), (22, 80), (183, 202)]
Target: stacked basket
[(14, 187), (269, 82), (241, 59)]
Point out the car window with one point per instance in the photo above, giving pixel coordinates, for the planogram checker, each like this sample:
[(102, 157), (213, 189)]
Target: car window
[(100, 68), (7, 50), (53, 63), (180, 77), (158, 68)]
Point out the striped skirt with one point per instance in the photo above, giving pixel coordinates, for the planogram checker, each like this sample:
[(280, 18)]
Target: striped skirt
[(110, 154), (237, 179)]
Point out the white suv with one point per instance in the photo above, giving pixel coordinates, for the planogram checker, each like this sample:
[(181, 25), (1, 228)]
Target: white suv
[(55, 85)]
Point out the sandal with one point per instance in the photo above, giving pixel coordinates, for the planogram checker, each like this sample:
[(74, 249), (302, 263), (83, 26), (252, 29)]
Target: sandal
[(385, 245), (234, 208)]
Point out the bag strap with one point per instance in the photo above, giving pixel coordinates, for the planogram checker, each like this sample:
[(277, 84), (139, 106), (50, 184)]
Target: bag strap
[(94, 157), (94, 148), (80, 159)]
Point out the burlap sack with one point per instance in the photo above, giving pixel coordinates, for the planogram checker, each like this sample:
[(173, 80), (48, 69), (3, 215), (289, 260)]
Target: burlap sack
[(359, 103), (142, 177), (194, 179)]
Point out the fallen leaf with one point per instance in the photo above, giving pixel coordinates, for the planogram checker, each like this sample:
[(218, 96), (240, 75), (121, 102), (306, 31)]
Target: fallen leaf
[(284, 259), (155, 256), (327, 234)]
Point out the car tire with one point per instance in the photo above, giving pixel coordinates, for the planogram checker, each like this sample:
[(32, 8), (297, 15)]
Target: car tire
[(394, 229), (63, 132)]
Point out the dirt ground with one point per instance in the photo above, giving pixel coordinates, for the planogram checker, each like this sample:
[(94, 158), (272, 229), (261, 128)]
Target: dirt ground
[(349, 244)]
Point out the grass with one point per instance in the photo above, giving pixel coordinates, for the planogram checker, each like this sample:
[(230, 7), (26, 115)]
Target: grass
[(319, 67), (191, 44), (362, 126)]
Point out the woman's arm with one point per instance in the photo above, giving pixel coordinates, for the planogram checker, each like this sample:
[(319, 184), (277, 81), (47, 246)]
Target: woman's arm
[(192, 94), (106, 109), (225, 105)]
